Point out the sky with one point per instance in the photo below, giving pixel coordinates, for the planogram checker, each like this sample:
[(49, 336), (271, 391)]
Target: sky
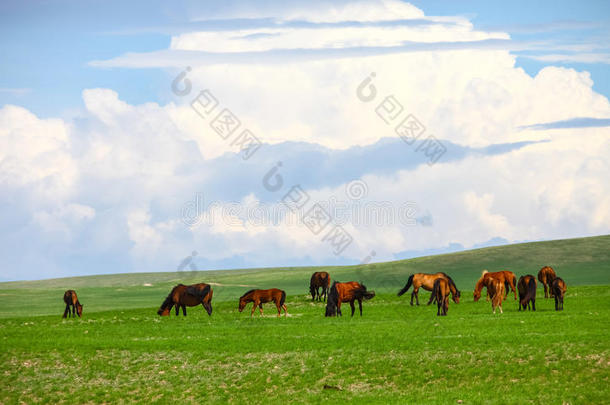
[(147, 136)]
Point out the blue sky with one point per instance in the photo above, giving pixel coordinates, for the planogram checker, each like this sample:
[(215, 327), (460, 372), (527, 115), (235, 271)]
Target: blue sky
[(105, 169), (47, 48)]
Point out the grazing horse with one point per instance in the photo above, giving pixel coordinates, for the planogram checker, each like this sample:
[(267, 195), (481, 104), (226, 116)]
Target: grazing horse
[(71, 300), (187, 296), (507, 277), (259, 297), (426, 281), (558, 289), (527, 292), (319, 279), (346, 292), (546, 275), (441, 292), (496, 290)]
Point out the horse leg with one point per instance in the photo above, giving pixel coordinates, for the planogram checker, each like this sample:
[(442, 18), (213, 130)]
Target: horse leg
[(533, 304), (360, 306), (66, 311), (351, 304), (412, 295), (279, 308), (177, 309), (184, 309), (285, 310), (339, 308), (260, 308)]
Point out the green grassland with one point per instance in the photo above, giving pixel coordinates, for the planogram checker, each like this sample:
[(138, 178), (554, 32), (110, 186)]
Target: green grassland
[(122, 351)]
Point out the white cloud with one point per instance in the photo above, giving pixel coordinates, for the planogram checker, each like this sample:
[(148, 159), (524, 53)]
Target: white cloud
[(112, 182)]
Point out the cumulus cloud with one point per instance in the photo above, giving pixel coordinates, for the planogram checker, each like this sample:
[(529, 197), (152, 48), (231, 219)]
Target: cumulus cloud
[(107, 191)]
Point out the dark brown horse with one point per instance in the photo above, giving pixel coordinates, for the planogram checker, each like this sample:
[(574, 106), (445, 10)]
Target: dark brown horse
[(319, 279), (496, 288), (441, 291), (507, 277), (558, 287), (71, 300), (259, 297), (527, 292), (546, 275), (346, 292), (426, 281), (183, 296)]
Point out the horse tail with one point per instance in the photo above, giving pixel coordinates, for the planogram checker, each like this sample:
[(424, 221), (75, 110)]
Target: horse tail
[(364, 293), (436, 287), (331, 302), (283, 299), (407, 286), (531, 287)]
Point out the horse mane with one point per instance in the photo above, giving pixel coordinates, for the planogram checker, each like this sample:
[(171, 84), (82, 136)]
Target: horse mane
[(452, 284), (168, 301), (248, 292)]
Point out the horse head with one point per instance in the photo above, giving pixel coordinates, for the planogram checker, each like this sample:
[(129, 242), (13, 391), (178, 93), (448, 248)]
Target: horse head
[(79, 309), (242, 304), (456, 296), (476, 295)]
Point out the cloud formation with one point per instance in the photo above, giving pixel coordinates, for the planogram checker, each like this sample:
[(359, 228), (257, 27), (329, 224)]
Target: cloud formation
[(106, 191)]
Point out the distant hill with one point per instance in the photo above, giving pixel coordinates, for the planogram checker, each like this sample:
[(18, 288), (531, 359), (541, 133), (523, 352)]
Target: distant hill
[(580, 261)]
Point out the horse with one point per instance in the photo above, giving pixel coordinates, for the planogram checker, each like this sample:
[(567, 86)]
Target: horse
[(259, 297), (71, 300), (441, 292), (426, 281), (496, 290), (546, 275), (319, 279), (346, 292), (507, 277), (187, 296), (558, 289), (527, 292)]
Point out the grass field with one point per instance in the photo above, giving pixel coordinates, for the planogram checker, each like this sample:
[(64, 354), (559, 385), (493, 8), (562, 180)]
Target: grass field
[(122, 351)]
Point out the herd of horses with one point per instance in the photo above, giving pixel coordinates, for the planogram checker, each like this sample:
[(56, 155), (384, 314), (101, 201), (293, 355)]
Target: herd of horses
[(440, 284)]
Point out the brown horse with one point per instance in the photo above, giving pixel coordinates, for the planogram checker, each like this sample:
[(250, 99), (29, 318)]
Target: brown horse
[(319, 279), (426, 281), (496, 291), (441, 292), (71, 300), (527, 292), (507, 277), (259, 297), (558, 289), (346, 292), (187, 296), (546, 275)]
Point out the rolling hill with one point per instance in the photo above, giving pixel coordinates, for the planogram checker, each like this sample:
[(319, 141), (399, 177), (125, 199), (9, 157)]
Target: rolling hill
[(580, 261)]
